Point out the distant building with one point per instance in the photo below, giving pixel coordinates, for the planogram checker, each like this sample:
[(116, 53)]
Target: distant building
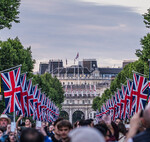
[(50, 66), (55, 64), (125, 62), (90, 64), (43, 67), (81, 83)]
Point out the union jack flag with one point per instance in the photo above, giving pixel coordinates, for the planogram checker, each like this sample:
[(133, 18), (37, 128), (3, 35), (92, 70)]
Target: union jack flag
[(119, 96), (130, 95), (30, 107), (140, 91), (124, 101), (98, 115), (24, 109), (39, 96), (12, 90), (35, 101), (42, 106)]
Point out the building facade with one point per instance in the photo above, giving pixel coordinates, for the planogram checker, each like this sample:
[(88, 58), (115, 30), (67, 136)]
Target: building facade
[(81, 83)]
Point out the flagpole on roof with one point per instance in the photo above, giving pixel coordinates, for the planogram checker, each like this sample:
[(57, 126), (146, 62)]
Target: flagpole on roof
[(10, 68)]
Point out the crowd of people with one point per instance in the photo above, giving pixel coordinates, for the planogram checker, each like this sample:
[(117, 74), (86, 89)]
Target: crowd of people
[(105, 130)]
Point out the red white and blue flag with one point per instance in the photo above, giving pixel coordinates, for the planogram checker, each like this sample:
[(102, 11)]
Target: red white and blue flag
[(23, 98), (140, 91), (12, 90), (30, 106)]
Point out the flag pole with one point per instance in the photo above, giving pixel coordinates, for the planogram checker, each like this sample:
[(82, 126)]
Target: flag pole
[(149, 81), (11, 68), (139, 73), (14, 116)]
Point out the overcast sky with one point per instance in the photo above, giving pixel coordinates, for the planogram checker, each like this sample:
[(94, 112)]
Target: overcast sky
[(107, 30)]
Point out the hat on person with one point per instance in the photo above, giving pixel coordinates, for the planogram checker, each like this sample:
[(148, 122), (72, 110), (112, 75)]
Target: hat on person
[(4, 116), (86, 134)]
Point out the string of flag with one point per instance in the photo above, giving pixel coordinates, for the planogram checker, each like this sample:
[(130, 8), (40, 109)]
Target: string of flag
[(25, 99), (128, 100)]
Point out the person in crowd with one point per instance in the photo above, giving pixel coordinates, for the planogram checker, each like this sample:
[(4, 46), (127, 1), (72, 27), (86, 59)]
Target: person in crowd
[(4, 121), (122, 132), (103, 129), (136, 121), (12, 137), (56, 136), (1, 132), (86, 122), (64, 128), (85, 134), (118, 120), (51, 131), (76, 124), (115, 130), (27, 123), (31, 135), (113, 133)]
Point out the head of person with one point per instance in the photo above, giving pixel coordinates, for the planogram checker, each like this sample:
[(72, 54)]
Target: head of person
[(51, 128), (43, 124), (4, 121), (91, 122), (83, 122), (31, 135), (85, 134), (27, 122), (12, 137), (1, 132), (118, 120), (56, 131), (64, 128), (104, 130)]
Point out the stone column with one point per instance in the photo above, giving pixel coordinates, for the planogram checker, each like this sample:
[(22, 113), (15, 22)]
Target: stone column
[(70, 115), (86, 113)]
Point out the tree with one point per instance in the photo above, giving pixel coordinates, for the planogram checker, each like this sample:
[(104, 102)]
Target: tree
[(96, 103), (51, 86), (147, 18), (9, 13), (12, 53)]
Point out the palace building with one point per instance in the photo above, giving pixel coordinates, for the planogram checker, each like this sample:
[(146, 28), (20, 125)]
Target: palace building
[(81, 83)]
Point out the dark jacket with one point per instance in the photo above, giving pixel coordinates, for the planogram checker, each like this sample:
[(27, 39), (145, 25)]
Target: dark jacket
[(143, 136)]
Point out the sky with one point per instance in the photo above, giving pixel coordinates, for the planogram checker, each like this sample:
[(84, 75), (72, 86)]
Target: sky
[(106, 30)]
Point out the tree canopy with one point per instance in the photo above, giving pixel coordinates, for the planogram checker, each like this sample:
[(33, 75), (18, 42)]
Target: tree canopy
[(13, 53), (51, 86), (9, 10)]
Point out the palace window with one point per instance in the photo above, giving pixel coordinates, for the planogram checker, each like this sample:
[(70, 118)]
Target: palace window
[(83, 102)]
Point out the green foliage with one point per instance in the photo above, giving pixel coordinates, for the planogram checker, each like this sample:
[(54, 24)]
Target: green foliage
[(12, 53), (147, 18), (9, 13), (96, 103), (51, 86)]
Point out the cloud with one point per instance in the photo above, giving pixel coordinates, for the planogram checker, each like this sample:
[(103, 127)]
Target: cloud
[(60, 29)]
